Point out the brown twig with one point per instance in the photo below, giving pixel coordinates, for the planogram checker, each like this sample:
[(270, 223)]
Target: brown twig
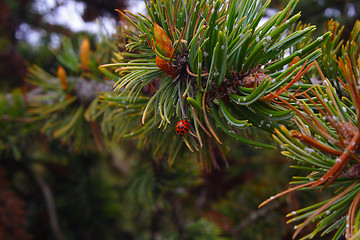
[(49, 201)]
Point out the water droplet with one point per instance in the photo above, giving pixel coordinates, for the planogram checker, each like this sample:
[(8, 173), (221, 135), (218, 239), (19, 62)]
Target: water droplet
[(309, 150)]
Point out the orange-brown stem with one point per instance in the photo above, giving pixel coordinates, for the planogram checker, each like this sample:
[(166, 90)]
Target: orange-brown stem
[(283, 193), (340, 163), (314, 143), (301, 115)]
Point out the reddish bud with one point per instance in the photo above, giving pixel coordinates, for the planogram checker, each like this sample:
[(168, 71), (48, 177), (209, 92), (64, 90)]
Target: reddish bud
[(162, 40)]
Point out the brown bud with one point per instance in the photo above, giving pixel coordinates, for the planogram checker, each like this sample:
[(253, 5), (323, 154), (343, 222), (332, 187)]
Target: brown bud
[(165, 66), (253, 80)]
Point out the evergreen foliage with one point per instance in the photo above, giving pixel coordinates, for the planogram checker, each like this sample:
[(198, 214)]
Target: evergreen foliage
[(209, 63), (326, 141)]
